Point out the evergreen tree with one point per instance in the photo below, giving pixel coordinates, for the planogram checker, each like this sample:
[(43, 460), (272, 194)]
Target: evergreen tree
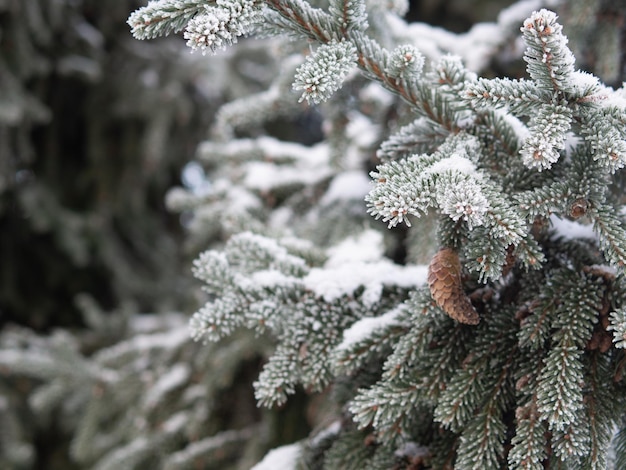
[(501, 353), (440, 261)]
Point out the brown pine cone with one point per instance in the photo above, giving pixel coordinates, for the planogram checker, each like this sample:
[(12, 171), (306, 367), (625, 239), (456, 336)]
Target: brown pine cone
[(444, 280)]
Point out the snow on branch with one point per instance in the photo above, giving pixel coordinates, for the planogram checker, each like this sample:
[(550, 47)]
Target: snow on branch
[(448, 179), (220, 25), (498, 160)]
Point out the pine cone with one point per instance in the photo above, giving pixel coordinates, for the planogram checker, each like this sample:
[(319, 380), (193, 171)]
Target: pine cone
[(444, 280)]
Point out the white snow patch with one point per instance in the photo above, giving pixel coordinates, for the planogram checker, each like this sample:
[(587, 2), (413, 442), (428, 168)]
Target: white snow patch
[(178, 199), (477, 46), (240, 200), (361, 130), (335, 282), (210, 151), (618, 97), (346, 186), (583, 80), (155, 322), (375, 92), (280, 217), (309, 166), (175, 377), (364, 328), (570, 230), (358, 262), (279, 150), (412, 450), (520, 129), (144, 343), (236, 198), (367, 246), (265, 176), (176, 423), (276, 251), (270, 278), (283, 458), (454, 162), (474, 47)]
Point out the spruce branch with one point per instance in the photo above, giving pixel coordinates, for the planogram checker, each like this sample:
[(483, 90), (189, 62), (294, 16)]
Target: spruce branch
[(212, 449), (350, 355), (612, 234), (430, 351), (383, 407), (604, 130), (220, 25), (488, 450), (544, 200), (550, 62), (559, 396), (519, 96), (600, 401), (349, 453), (619, 444), (302, 18), (485, 255), (572, 444), (536, 321), (528, 445), (161, 17), (548, 128), (447, 179), (421, 136), (349, 14), (323, 72), (618, 327)]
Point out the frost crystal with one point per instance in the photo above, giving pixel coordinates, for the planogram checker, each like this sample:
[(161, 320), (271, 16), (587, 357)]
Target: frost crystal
[(539, 153), (405, 61), (323, 72), (463, 200), (220, 25)]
